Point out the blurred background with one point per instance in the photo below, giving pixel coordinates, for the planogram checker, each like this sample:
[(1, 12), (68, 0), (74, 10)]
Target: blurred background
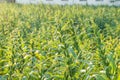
[(70, 2)]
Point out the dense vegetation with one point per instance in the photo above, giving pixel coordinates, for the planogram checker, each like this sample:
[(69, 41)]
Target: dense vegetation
[(45, 42)]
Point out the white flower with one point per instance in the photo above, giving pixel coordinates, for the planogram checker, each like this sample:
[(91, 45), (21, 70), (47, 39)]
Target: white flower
[(37, 51), (83, 71), (90, 63), (102, 71)]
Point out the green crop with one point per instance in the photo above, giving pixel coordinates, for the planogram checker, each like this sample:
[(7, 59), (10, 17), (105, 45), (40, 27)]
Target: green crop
[(52, 42)]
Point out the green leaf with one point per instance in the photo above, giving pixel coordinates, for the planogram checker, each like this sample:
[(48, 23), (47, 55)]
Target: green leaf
[(70, 50)]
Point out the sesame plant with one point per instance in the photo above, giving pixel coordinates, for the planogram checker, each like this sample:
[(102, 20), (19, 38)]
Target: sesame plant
[(53, 42)]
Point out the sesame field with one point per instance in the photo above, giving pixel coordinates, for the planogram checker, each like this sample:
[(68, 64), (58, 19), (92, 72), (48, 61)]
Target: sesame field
[(53, 42)]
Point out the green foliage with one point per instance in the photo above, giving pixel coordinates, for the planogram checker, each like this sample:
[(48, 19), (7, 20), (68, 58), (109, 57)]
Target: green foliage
[(51, 42)]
